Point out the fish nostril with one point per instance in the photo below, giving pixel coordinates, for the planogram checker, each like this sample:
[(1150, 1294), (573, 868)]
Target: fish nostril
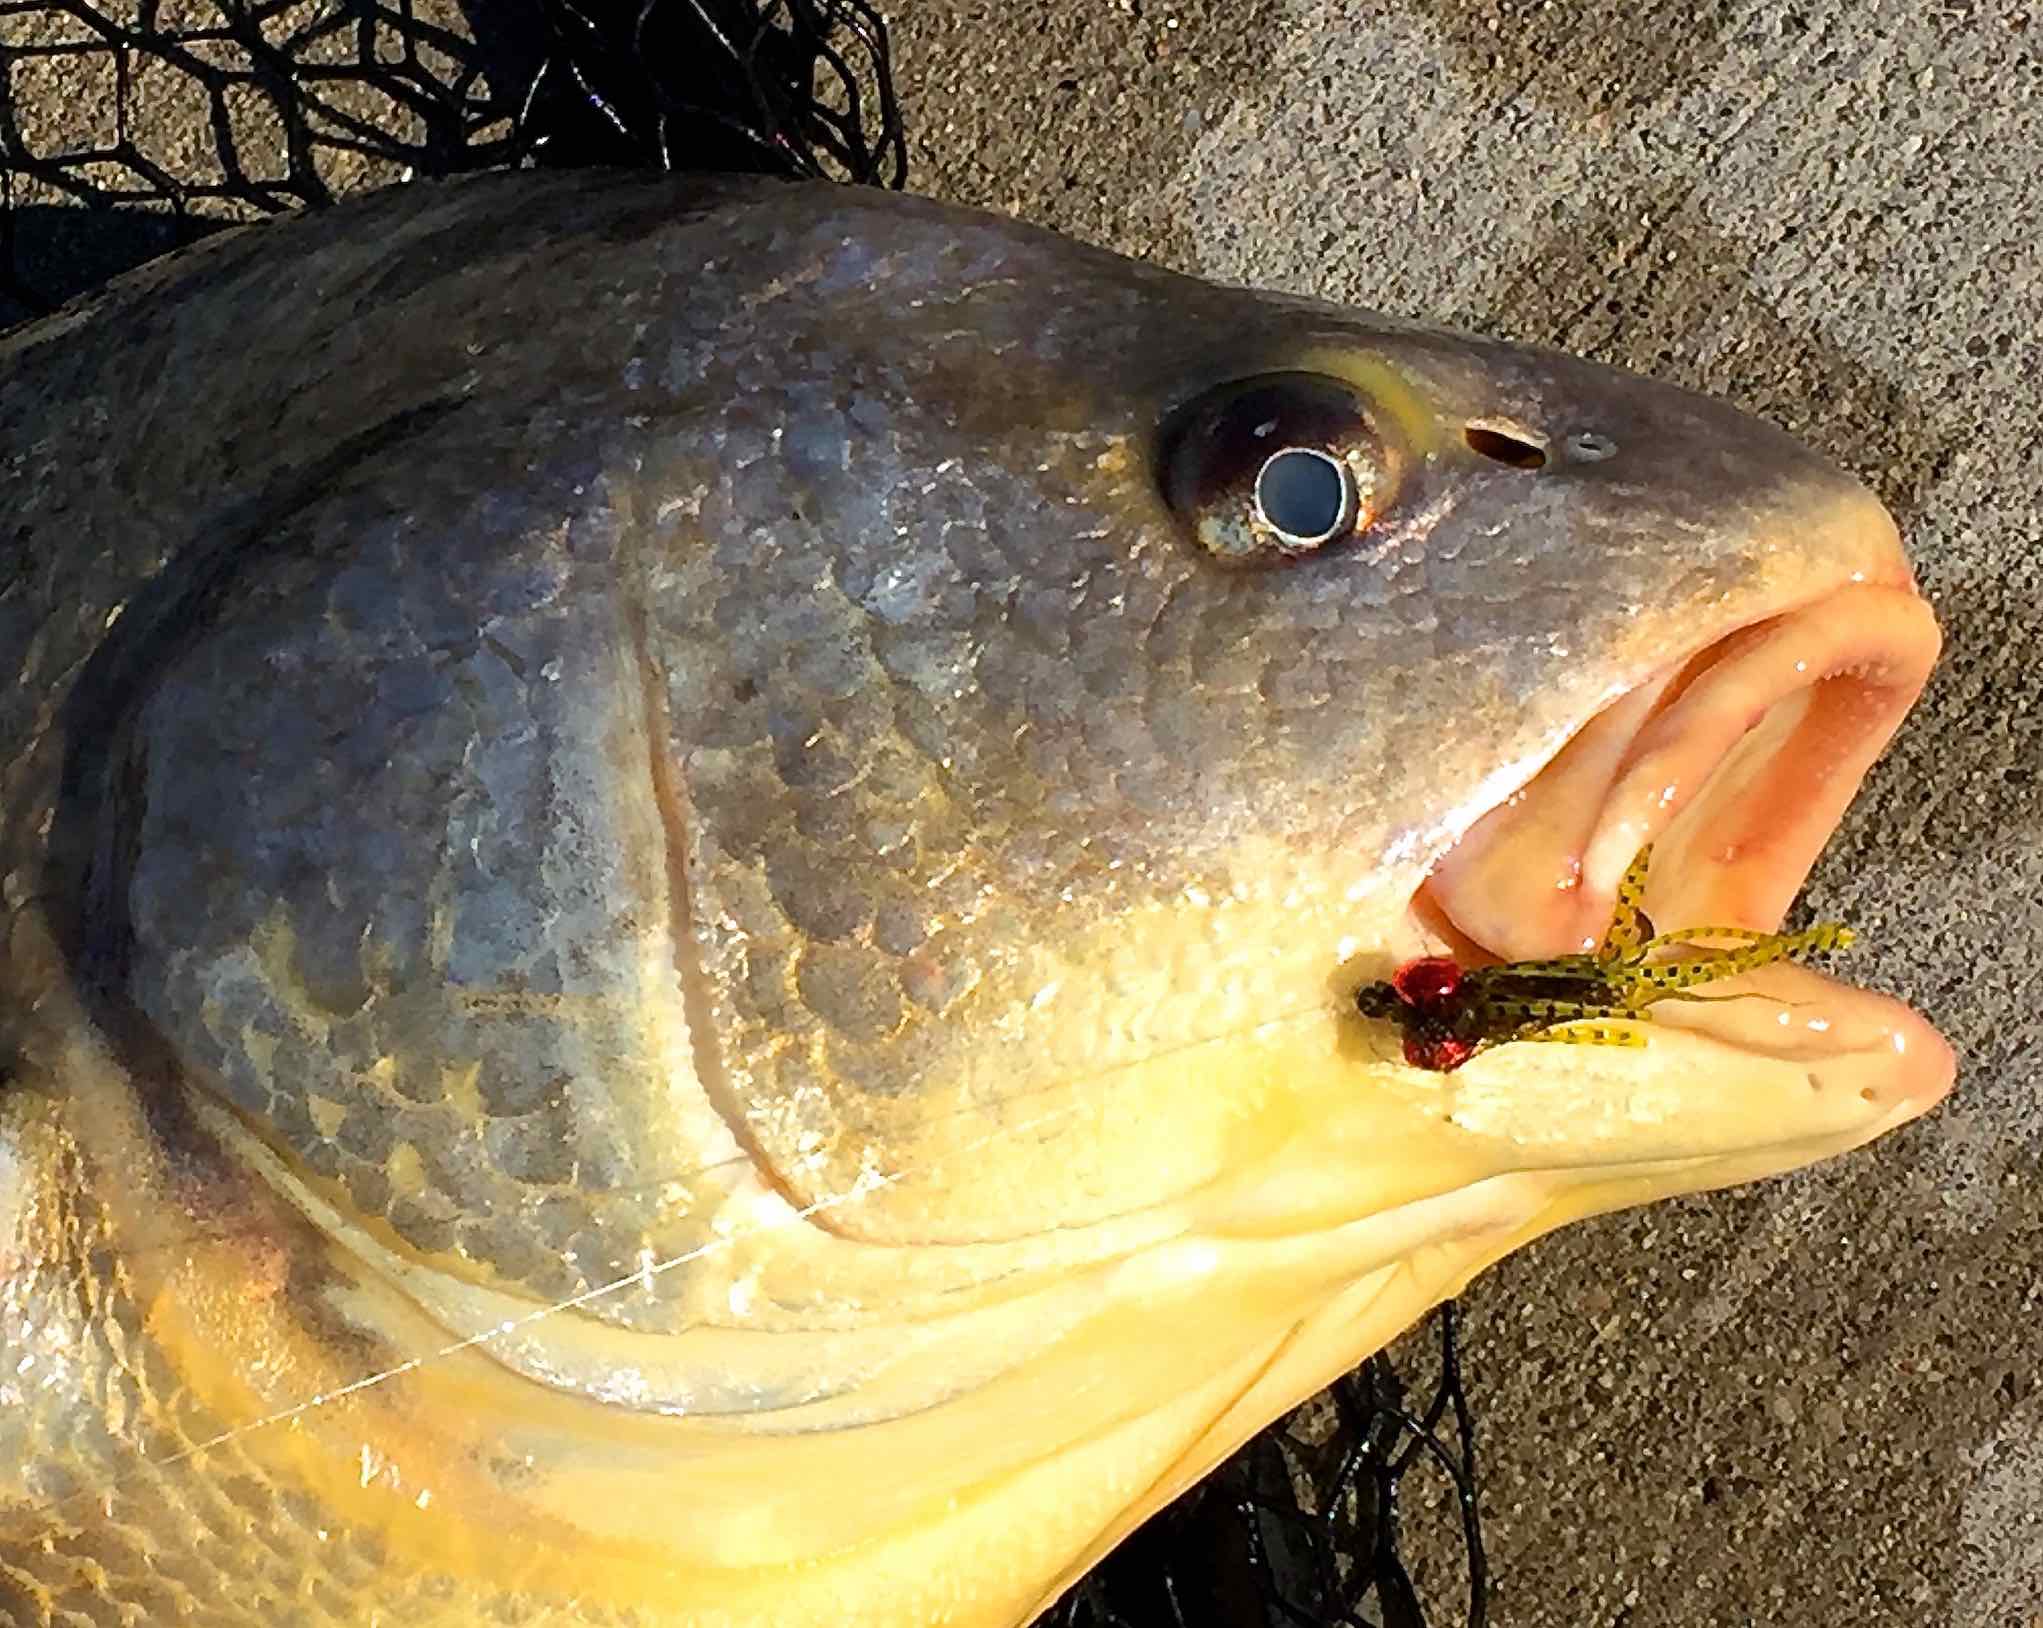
[(1501, 446)]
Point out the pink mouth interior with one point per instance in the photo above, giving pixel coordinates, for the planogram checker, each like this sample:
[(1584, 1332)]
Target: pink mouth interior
[(1736, 764)]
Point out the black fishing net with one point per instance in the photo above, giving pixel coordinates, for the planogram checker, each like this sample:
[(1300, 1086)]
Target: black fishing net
[(128, 127)]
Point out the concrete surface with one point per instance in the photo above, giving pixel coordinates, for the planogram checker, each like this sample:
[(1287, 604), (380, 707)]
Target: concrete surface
[(1815, 1402)]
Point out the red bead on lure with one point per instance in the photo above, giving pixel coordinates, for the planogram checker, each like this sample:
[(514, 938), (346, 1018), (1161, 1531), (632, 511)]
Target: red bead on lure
[(1428, 988)]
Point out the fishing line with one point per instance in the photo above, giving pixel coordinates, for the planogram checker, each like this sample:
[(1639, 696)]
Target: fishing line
[(1340, 1010), (859, 1190)]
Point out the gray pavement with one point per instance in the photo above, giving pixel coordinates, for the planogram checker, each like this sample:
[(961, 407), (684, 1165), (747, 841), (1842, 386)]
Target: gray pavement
[(1813, 1402)]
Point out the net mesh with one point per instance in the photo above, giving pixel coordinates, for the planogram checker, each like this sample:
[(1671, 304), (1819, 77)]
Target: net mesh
[(1307, 1526), (164, 118), (129, 127)]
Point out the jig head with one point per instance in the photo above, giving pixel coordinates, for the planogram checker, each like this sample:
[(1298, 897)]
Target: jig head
[(1447, 1013)]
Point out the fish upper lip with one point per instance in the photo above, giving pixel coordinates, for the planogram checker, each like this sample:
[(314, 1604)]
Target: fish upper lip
[(1736, 762)]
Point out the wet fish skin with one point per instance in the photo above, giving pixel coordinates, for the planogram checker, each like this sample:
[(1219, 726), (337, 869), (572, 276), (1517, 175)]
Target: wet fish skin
[(563, 725)]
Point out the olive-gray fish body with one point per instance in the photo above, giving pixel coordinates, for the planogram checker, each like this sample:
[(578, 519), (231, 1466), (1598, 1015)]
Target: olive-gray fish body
[(685, 864)]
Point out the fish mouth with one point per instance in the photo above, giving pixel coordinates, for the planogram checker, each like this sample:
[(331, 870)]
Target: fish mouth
[(1736, 763)]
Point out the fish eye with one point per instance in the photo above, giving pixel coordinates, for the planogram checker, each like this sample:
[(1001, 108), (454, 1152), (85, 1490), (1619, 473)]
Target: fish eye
[(1275, 468)]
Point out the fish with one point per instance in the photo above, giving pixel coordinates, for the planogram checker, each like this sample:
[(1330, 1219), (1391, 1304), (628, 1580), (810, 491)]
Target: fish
[(686, 866)]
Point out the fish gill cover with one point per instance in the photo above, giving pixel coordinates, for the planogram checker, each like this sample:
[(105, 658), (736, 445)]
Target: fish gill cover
[(301, 101)]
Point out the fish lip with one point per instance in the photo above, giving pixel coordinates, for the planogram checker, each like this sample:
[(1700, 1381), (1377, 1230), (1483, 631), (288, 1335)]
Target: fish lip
[(1736, 761)]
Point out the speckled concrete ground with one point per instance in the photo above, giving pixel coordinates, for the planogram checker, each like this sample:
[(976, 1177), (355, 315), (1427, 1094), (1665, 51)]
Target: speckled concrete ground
[(1815, 1402)]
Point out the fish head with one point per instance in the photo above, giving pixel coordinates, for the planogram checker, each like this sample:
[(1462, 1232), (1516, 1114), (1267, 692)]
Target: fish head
[(1140, 666), (794, 947)]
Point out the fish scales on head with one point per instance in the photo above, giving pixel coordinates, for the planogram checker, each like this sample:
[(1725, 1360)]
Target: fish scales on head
[(686, 867)]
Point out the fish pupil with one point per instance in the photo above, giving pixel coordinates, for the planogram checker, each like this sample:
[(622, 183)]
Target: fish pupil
[(1303, 494)]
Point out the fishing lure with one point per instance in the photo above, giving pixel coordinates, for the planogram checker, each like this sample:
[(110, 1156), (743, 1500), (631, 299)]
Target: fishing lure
[(1447, 1013)]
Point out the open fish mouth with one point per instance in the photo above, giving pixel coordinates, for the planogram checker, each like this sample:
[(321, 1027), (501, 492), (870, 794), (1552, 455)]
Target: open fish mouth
[(1735, 762)]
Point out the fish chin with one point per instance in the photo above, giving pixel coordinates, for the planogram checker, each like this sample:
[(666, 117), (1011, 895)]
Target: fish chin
[(1735, 762), (1453, 1237)]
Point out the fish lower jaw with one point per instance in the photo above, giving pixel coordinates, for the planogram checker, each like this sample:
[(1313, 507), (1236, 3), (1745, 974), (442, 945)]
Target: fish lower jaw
[(1449, 1239)]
